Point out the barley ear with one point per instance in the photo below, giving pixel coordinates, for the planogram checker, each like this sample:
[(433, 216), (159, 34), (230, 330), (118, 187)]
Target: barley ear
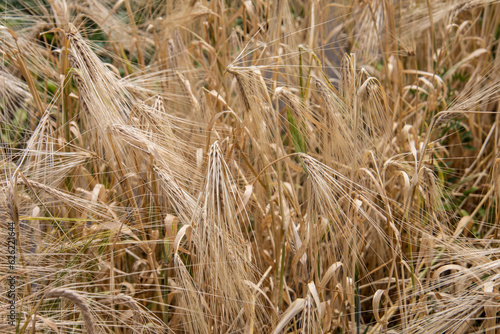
[(79, 302)]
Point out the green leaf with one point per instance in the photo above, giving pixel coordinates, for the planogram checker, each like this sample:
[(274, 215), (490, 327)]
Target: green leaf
[(469, 191), (298, 141)]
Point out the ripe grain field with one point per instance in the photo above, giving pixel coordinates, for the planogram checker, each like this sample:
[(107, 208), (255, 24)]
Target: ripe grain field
[(251, 166)]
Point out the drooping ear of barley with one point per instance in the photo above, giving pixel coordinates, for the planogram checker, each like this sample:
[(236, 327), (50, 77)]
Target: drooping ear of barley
[(105, 101), (258, 114), (79, 302), (219, 256), (338, 142), (14, 93)]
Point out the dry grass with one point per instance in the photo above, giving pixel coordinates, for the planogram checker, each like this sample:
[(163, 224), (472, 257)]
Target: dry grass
[(251, 167)]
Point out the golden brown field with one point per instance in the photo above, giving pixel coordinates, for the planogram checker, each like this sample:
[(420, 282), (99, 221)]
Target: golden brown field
[(257, 166)]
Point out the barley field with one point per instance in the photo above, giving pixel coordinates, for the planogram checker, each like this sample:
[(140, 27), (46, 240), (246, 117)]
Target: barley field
[(257, 166)]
